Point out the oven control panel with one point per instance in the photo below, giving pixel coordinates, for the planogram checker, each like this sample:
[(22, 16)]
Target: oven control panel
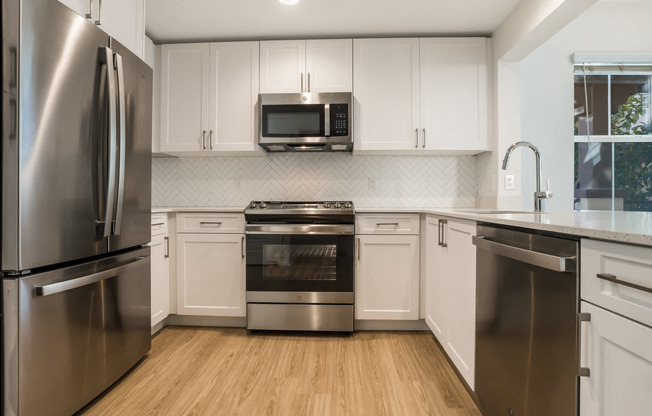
[(327, 205), (339, 119)]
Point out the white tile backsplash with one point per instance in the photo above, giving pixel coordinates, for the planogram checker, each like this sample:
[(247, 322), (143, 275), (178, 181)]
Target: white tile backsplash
[(369, 181)]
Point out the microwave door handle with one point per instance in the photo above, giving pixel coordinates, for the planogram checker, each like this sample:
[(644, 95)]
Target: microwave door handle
[(327, 120), (122, 123)]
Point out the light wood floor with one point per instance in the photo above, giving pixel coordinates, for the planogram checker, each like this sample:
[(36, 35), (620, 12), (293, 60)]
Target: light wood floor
[(217, 371)]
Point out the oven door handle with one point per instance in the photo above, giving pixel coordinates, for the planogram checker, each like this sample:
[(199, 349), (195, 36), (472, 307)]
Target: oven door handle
[(311, 229)]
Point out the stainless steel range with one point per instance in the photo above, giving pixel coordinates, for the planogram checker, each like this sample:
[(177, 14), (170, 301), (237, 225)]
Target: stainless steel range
[(300, 265)]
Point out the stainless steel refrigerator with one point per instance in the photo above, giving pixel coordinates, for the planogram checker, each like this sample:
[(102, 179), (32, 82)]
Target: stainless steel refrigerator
[(76, 173)]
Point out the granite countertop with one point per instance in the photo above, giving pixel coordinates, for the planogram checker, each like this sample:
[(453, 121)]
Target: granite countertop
[(619, 226)]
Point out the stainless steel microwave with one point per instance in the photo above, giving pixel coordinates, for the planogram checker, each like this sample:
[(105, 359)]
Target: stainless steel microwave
[(305, 122)]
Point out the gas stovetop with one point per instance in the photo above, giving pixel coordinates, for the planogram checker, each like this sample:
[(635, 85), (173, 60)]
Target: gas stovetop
[(258, 210)]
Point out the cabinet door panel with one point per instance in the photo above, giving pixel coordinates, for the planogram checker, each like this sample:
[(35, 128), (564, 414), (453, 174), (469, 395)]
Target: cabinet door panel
[(386, 91), (233, 95), (387, 277), (453, 94), (81, 7), (435, 299), (329, 65), (281, 66), (160, 284), (460, 291), (125, 21), (619, 356), (184, 96), (210, 275)]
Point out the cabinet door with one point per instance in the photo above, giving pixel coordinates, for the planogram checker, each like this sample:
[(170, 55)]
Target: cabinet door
[(211, 274), (125, 21), (81, 7), (436, 299), (387, 277), (160, 284), (233, 92), (460, 292), (184, 97), (618, 353), (386, 91), (282, 66), (453, 81), (329, 65)]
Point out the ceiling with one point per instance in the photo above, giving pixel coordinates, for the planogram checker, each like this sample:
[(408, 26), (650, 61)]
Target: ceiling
[(213, 20)]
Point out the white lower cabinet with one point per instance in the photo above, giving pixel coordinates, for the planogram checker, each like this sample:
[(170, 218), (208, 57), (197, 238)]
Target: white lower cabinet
[(618, 353), (211, 274), (450, 290), (160, 272), (387, 269)]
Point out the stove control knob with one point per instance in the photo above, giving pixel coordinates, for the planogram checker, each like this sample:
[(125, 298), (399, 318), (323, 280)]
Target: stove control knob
[(337, 205), (327, 204), (348, 205), (263, 205), (253, 204)]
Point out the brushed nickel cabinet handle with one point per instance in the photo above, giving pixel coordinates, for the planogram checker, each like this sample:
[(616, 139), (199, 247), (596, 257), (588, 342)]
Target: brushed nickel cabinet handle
[(613, 279), (156, 224), (302, 82), (210, 139), (358, 249), (442, 235), (381, 224), (242, 252), (167, 247), (99, 14), (583, 370), (308, 81), (89, 15), (218, 223), (203, 139), (416, 145), (424, 139)]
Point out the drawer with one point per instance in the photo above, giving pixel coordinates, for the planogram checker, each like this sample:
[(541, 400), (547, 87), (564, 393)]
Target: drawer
[(387, 224), (628, 265), (159, 224), (210, 223)]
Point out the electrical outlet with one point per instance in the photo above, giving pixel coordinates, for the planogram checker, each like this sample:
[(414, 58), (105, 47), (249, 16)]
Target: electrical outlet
[(237, 184), (371, 184), (509, 182)]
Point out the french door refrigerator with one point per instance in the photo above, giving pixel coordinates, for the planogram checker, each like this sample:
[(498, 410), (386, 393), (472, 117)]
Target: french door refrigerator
[(76, 172)]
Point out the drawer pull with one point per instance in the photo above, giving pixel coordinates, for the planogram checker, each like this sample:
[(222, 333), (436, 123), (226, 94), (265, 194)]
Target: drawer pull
[(202, 223), (156, 224), (613, 279), (380, 224)]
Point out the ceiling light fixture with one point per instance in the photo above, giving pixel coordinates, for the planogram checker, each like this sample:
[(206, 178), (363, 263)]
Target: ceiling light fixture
[(289, 2)]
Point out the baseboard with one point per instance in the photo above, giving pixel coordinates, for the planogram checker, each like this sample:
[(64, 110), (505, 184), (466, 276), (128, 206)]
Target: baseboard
[(373, 325)]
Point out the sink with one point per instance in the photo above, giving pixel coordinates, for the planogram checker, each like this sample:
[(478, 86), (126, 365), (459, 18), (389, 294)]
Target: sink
[(494, 211)]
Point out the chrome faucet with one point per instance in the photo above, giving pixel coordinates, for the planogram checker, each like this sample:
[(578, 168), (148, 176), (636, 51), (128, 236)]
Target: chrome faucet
[(539, 196)]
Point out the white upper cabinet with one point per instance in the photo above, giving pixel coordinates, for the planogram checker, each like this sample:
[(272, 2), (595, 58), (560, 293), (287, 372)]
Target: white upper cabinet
[(184, 97), (306, 66), (453, 82), (386, 94), (124, 20), (430, 93), (233, 89), (208, 97)]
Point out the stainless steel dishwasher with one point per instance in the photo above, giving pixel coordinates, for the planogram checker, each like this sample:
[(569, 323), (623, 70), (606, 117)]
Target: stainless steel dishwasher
[(526, 323)]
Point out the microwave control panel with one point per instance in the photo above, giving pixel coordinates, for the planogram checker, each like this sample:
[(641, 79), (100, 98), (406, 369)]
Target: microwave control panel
[(339, 119)]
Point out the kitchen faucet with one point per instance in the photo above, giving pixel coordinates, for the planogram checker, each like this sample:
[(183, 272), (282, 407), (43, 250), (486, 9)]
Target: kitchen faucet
[(539, 196)]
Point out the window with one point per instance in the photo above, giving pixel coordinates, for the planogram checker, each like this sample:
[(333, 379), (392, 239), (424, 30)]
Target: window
[(613, 137)]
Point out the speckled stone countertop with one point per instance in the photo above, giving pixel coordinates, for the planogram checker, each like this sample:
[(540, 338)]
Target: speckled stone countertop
[(619, 226)]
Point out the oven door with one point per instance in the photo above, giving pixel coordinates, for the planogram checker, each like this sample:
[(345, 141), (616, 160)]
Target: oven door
[(300, 258)]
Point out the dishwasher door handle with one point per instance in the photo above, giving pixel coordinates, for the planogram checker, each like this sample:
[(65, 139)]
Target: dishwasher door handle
[(546, 261)]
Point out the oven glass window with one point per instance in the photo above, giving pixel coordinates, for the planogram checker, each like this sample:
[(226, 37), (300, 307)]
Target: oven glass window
[(299, 262), (293, 120)]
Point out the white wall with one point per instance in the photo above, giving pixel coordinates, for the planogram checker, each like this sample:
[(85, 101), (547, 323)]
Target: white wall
[(610, 26)]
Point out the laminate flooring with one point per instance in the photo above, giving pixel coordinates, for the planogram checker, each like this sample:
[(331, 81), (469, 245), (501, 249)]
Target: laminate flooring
[(218, 371)]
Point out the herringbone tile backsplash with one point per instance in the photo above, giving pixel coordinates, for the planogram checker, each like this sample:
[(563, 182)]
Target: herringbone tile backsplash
[(368, 181)]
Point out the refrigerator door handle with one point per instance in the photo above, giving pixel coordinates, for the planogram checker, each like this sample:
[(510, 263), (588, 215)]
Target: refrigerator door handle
[(67, 285), (122, 136), (109, 203)]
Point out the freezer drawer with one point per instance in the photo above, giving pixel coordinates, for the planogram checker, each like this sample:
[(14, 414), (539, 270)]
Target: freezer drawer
[(72, 332)]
